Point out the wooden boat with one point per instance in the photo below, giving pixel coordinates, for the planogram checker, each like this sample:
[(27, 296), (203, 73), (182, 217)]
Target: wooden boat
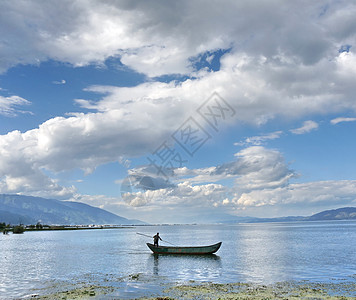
[(184, 250)]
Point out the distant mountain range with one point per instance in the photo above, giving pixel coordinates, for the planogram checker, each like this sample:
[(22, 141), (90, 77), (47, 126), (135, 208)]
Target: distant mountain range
[(16, 209), (345, 213)]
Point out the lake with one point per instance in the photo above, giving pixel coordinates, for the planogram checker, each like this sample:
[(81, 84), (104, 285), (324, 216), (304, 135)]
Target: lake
[(35, 262)]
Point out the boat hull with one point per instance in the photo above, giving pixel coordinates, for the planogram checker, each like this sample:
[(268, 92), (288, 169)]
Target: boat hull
[(185, 250)]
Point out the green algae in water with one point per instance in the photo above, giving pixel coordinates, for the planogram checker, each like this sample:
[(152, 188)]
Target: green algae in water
[(193, 290), (143, 286), (84, 292), (283, 290)]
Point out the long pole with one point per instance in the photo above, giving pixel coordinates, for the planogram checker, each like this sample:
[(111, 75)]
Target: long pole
[(144, 234), (152, 237)]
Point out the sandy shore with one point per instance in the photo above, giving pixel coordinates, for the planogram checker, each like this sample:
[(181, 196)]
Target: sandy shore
[(194, 290)]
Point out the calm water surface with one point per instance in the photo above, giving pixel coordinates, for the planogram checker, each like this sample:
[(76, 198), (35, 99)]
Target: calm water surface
[(261, 253)]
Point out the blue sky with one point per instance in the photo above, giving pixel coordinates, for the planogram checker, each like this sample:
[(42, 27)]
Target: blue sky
[(93, 96)]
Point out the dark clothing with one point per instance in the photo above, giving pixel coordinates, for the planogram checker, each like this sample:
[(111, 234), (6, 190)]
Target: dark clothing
[(155, 239)]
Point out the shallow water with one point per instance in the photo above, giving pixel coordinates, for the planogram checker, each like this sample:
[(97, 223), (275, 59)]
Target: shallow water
[(260, 253)]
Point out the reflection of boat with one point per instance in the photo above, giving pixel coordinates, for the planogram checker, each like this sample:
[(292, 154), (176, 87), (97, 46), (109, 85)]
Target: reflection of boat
[(184, 250)]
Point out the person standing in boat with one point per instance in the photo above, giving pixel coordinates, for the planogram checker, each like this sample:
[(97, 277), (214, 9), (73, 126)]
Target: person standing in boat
[(156, 238)]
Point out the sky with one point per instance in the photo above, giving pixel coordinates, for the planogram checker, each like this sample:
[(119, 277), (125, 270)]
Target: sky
[(180, 111)]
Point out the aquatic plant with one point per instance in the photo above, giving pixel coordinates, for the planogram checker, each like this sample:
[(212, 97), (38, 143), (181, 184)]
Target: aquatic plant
[(18, 229)]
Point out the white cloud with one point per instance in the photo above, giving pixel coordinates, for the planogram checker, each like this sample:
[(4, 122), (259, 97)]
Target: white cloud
[(280, 64), (261, 181), (166, 205), (84, 141), (258, 88), (347, 64), (283, 63), (125, 125), (59, 82), (184, 194), (260, 139), (20, 174), (306, 128), (9, 105), (149, 36), (129, 122), (160, 38), (209, 202), (310, 194), (342, 119), (256, 168)]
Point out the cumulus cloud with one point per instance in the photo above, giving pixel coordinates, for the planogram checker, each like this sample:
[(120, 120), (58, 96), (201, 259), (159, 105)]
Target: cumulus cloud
[(261, 181), (84, 141), (160, 38), (283, 62), (213, 202), (309, 194), (258, 88), (20, 174), (342, 119), (125, 124), (9, 106), (157, 42), (307, 127), (256, 168), (166, 205), (186, 194), (279, 64)]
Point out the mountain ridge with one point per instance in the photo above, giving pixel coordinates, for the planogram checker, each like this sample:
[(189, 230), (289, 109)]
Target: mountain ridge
[(23, 209), (343, 213)]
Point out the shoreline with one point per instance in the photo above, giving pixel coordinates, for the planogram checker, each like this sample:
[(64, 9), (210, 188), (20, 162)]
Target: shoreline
[(342, 289), (55, 228), (23, 229)]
